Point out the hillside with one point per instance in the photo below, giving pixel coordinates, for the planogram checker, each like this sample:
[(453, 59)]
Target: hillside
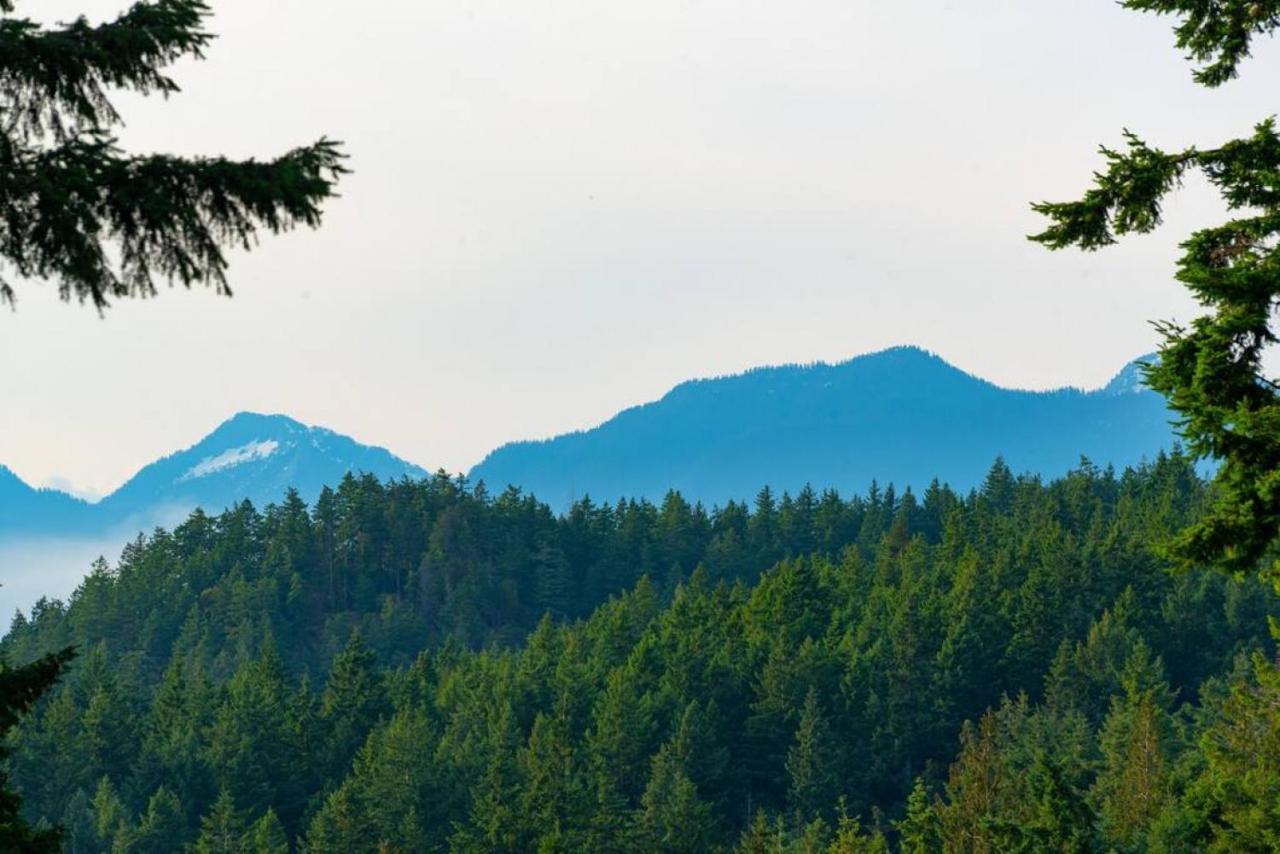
[(370, 674)]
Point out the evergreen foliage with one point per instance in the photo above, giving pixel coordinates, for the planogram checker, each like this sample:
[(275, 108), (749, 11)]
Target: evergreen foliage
[(71, 201), (20, 688), (1212, 371), (1014, 669)]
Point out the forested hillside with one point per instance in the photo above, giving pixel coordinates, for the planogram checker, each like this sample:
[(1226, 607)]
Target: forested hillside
[(902, 415), (420, 666)]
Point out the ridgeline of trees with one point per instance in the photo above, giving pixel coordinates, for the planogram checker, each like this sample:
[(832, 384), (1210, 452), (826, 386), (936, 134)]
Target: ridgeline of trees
[(419, 666)]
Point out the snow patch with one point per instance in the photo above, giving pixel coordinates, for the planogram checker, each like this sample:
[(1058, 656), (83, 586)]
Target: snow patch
[(232, 457)]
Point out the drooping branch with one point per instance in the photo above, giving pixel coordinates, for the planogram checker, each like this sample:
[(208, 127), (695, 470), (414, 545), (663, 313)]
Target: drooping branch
[(170, 217)]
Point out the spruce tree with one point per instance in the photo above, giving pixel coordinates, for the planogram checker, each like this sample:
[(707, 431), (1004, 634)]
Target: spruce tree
[(104, 224)]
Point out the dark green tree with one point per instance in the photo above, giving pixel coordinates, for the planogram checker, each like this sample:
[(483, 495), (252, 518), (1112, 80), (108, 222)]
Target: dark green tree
[(222, 830), (352, 703), (672, 817), (104, 224), (919, 830), (20, 687), (810, 761), (164, 825), (267, 836), (1211, 371)]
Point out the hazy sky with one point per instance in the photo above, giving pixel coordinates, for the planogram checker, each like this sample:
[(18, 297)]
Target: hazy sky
[(562, 208)]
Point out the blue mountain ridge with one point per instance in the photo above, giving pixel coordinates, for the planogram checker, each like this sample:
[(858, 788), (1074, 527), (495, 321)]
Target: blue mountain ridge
[(249, 456), (901, 416)]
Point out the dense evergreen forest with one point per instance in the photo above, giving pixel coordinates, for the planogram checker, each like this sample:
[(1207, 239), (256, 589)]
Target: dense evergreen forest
[(422, 666)]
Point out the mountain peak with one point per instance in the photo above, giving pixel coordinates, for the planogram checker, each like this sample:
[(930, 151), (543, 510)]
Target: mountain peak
[(1131, 379), (251, 455), (262, 421)]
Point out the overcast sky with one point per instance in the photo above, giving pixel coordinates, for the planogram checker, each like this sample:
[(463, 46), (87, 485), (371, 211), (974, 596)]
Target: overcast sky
[(559, 209)]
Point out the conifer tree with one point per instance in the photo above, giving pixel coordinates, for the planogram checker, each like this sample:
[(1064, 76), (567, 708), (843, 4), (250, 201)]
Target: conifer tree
[(492, 825), (267, 836), (1212, 371), (103, 224), (222, 829), (809, 761), (20, 687), (1137, 744), (672, 817), (110, 816), (619, 742), (353, 701), (338, 827), (919, 832), (164, 825)]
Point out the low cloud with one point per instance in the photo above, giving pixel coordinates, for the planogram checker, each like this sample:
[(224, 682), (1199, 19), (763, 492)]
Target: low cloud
[(52, 567)]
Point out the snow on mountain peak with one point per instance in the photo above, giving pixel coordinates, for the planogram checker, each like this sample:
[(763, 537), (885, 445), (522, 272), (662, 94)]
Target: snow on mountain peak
[(257, 450)]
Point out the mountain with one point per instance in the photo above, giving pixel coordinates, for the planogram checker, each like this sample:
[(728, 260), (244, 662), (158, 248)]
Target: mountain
[(37, 511), (901, 416), (250, 455)]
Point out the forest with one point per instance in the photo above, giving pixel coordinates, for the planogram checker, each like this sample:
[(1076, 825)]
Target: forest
[(423, 666)]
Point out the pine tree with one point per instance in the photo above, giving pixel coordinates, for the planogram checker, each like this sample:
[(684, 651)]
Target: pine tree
[(620, 741), (80, 836), (553, 584), (493, 824), (554, 793), (71, 200)]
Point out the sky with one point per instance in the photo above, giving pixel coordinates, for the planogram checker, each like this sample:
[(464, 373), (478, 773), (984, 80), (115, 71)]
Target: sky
[(560, 208)]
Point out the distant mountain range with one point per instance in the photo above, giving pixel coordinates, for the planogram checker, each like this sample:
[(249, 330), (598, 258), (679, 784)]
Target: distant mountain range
[(251, 456), (903, 416)]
